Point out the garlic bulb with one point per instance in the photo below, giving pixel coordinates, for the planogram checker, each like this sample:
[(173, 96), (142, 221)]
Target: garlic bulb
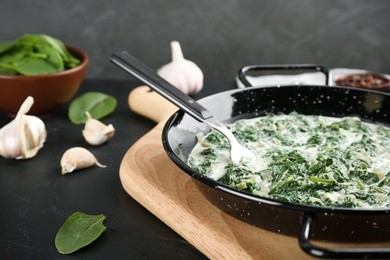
[(95, 132), (24, 135), (183, 74), (77, 158)]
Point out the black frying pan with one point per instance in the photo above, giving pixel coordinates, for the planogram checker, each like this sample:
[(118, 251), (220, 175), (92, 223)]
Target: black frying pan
[(306, 222)]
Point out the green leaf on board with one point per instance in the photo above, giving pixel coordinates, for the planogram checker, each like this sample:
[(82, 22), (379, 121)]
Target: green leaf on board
[(78, 231), (97, 104)]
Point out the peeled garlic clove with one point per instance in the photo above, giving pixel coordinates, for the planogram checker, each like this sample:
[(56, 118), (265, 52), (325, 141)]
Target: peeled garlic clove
[(24, 135), (95, 132), (182, 73), (77, 158)]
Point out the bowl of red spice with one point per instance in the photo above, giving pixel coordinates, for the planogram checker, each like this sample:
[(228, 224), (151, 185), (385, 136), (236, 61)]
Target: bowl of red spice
[(367, 80)]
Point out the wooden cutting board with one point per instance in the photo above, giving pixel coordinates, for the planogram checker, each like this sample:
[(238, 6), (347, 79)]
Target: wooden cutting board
[(150, 177)]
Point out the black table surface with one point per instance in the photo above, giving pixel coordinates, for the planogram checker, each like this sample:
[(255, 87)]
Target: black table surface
[(36, 199)]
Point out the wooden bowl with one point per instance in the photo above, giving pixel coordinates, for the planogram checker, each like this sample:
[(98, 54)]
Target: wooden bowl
[(50, 91)]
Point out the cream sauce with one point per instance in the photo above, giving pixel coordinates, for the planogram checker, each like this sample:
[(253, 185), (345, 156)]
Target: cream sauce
[(353, 151)]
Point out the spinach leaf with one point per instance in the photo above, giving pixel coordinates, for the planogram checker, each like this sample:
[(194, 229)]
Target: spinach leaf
[(30, 39), (30, 66), (53, 57), (16, 53), (78, 231), (218, 140), (97, 104), (69, 60), (7, 70), (5, 46)]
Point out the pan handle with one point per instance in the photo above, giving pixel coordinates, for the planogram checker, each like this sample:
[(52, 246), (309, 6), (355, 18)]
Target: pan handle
[(142, 72), (336, 253), (242, 73)]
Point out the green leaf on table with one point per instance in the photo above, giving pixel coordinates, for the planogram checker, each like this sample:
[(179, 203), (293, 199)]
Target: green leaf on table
[(97, 104), (78, 231)]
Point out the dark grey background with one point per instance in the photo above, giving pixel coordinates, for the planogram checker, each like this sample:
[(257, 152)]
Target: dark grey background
[(220, 36)]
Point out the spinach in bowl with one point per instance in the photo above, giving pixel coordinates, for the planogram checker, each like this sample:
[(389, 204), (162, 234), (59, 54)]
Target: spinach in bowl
[(35, 54)]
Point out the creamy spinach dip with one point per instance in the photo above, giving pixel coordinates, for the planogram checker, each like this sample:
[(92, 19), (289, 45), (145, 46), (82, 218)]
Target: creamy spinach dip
[(306, 159)]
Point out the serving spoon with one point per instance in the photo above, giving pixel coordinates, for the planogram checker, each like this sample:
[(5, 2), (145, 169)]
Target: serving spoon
[(139, 70)]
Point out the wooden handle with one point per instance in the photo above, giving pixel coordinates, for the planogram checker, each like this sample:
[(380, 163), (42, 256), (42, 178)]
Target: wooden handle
[(145, 102)]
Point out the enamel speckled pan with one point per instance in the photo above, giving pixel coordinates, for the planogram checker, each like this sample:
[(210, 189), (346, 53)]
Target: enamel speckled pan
[(306, 222)]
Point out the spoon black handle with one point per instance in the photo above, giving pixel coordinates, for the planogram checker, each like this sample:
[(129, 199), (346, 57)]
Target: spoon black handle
[(139, 70)]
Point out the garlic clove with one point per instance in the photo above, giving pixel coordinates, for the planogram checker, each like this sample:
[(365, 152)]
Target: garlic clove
[(36, 135), (11, 140), (95, 132), (77, 158), (24, 136), (182, 73)]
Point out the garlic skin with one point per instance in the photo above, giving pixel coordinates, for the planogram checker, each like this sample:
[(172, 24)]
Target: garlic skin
[(77, 158), (182, 73), (24, 135), (95, 132)]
